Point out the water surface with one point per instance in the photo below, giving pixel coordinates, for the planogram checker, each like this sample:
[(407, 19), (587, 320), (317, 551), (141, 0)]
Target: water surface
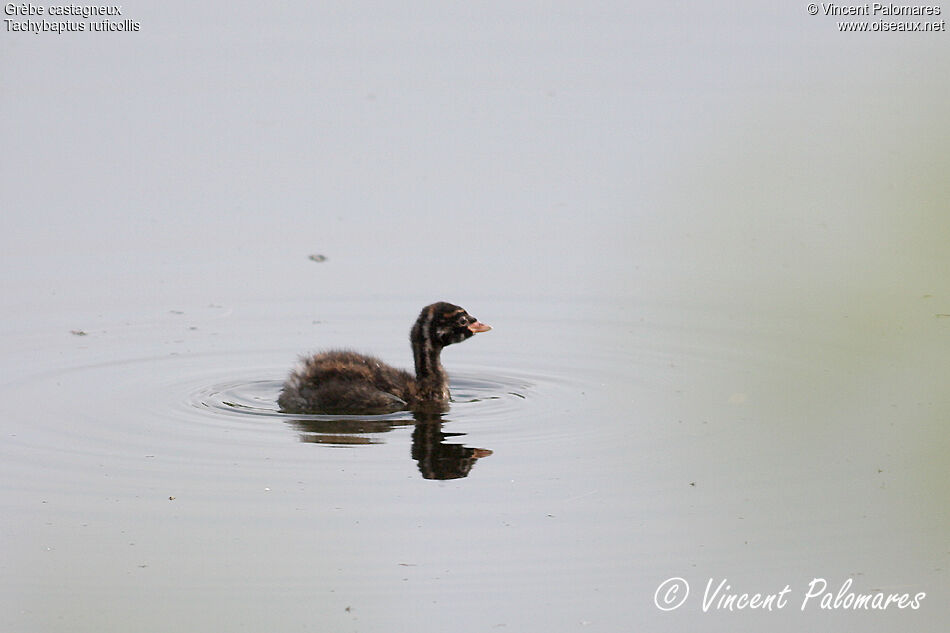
[(562, 487), (711, 242)]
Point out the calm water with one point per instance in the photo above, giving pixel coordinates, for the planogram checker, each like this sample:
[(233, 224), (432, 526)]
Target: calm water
[(151, 482), (712, 243)]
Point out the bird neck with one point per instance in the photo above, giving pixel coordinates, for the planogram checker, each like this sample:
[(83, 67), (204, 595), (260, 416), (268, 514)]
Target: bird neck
[(430, 376)]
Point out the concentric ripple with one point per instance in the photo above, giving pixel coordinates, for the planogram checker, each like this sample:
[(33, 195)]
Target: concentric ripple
[(473, 397), (259, 397)]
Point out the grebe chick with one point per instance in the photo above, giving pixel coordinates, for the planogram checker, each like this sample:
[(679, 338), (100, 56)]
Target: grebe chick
[(341, 382)]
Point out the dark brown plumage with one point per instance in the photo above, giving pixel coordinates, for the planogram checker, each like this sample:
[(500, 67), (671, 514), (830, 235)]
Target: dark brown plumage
[(346, 382)]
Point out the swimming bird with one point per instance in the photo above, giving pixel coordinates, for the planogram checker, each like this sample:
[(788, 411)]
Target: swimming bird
[(345, 382)]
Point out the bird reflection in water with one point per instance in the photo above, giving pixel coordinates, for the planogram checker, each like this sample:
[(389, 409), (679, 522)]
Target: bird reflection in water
[(436, 458)]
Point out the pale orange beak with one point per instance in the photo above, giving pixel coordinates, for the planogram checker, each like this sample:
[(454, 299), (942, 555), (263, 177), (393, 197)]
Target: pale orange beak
[(478, 326)]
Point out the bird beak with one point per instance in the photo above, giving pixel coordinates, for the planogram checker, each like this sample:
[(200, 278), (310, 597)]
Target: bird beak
[(478, 326)]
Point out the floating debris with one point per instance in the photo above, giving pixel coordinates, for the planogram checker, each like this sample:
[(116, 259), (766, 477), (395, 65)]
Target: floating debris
[(78, 333), (316, 257)]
